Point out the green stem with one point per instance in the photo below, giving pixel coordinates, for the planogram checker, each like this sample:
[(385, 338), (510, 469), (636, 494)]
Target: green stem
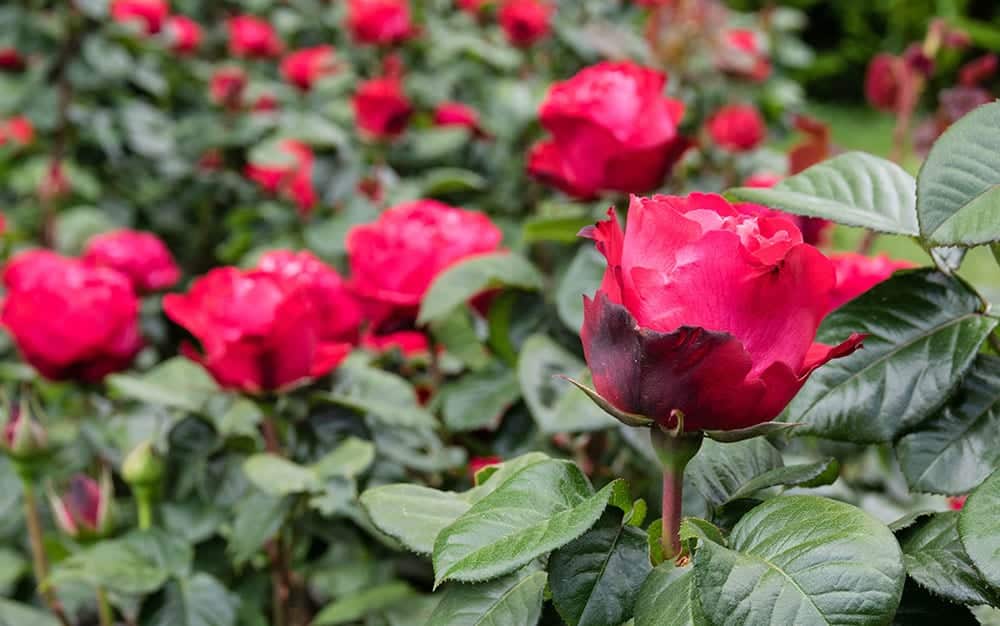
[(104, 608), (144, 507), (40, 563), (674, 449)]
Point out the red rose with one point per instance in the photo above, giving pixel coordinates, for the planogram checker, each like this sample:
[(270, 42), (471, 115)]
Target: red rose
[(251, 36), (612, 130), (856, 274), (140, 256), (227, 85), (525, 21), (379, 22), (11, 60), (70, 320), (338, 310), (395, 258), (762, 180), (743, 54), (957, 503), (706, 311), (185, 34), (884, 81), (815, 231), (149, 13), (265, 103), (737, 128), (292, 178), (410, 343), (258, 331), (18, 130), (457, 114), (381, 108), (304, 67)]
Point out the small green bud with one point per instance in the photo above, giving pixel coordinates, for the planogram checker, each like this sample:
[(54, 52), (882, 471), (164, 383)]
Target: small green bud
[(143, 466)]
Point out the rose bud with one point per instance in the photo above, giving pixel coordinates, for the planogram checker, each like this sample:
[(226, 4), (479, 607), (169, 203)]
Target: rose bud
[(884, 81), (525, 22), (394, 259), (84, 512), (143, 466), (227, 85), (857, 273), (762, 180), (253, 37), (978, 70), (737, 128), (184, 34), (381, 108), (11, 60), (149, 14), (69, 320), (957, 503), (292, 179), (457, 114), (705, 313), (304, 67), (140, 256), (742, 53), (24, 437), (379, 22), (258, 331), (612, 130)]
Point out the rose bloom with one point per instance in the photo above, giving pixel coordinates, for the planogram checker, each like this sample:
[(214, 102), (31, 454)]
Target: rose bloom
[(884, 81), (259, 330), (381, 108), (70, 321), (17, 130), (11, 60), (140, 256), (379, 22), (525, 22), (815, 231), (227, 85), (184, 33), (395, 258), (857, 273), (457, 114), (737, 128), (251, 36), (742, 53), (612, 130), (149, 13), (292, 179), (707, 311), (304, 67)]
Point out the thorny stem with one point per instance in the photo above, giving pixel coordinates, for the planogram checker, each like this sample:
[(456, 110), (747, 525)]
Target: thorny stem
[(41, 567)]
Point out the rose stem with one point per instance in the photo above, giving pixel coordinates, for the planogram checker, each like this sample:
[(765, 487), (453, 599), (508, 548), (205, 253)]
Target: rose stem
[(38, 552), (103, 608), (675, 449)]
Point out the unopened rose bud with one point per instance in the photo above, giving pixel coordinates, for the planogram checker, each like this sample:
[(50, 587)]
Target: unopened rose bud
[(85, 510), (143, 466), (24, 437)]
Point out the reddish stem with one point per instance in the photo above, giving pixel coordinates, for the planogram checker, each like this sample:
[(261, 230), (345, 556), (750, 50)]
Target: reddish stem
[(673, 487)]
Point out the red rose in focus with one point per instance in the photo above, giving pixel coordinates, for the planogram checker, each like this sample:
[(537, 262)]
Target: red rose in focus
[(11, 60), (815, 231), (227, 85), (381, 108), (457, 114), (884, 81), (251, 36), (292, 178), (525, 21), (706, 311), (612, 130), (737, 128), (184, 33), (18, 130), (856, 274), (304, 67), (68, 319), (742, 53), (149, 13), (379, 22), (140, 256), (395, 258), (258, 331)]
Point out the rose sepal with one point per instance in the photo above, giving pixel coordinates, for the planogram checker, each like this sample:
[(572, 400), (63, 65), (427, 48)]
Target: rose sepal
[(764, 429), (629, 419)]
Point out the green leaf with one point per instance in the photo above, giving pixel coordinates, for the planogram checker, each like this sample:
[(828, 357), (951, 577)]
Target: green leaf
[(807, 475), (977, 526), (457, 333), (719, 470), (560, 228), (934, 557), (12, 567), (854, 188), (541, 508), (386, 397), (200, 600), (512, 599), (554, 404), (582, 277), (595, 579), (176, 383), (349, 459), (449, 180), (465, 279), (665, 598), (355, 606), (14, 614), (479, 399), (900, 378), (258, 518), (801, 560), (278, 476), (958, 188), (956, 450)]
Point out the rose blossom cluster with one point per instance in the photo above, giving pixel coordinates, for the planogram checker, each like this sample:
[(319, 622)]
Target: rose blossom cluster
[(153, 17)]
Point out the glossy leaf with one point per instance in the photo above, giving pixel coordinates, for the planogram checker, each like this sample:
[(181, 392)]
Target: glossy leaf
[(595, 579), (278, 476), (258, 518), (352, 457), (542, 507), (806, 475), (177, 383), (958, 188), (665, 598), (385, 397), (957, 449), (468, 278), (479, 399), (899, 379), (854, 188), (512, 599), (977, 527), (356, 606), (197, 601), (720, 470)]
